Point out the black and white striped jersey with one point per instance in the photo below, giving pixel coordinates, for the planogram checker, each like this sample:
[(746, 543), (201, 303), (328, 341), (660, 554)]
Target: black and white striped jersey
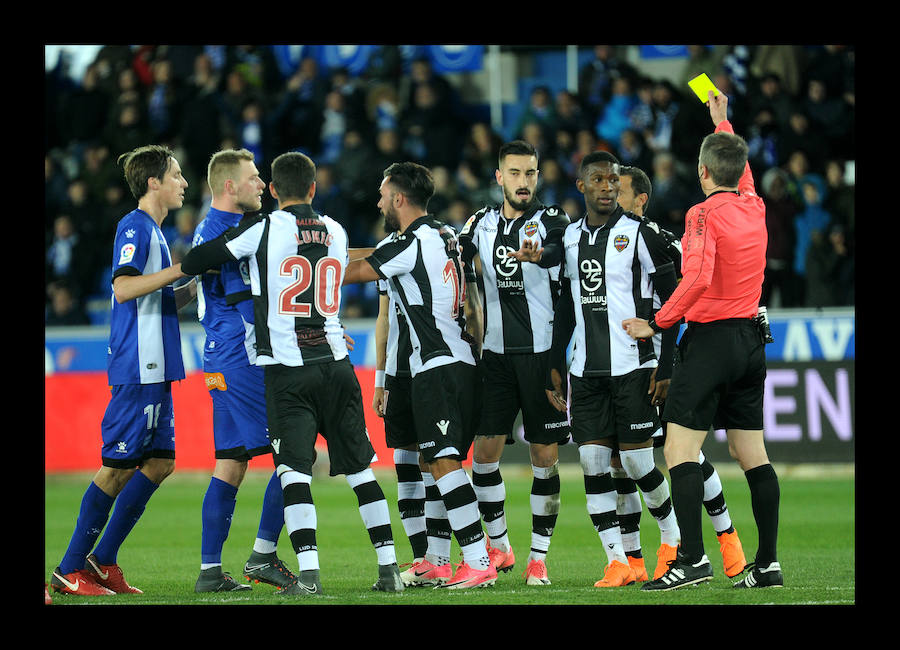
[(297, 262), (424, 275), (518, 297), (398, 348), (609, 274)]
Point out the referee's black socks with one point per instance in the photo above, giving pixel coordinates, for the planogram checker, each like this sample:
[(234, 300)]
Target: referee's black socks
[(765, 496), (687, 499)]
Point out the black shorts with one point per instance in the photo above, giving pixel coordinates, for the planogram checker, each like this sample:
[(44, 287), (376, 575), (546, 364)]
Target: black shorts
[(445, 410), (718, 378), (325, 398), (614, 407), (513, 383), (399, 425)]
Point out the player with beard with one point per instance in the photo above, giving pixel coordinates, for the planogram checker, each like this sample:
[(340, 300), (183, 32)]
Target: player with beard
[(518, 247)]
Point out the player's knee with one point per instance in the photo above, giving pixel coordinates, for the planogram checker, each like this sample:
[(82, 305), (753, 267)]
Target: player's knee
[(157, 469), (638, 462), (595, 459)]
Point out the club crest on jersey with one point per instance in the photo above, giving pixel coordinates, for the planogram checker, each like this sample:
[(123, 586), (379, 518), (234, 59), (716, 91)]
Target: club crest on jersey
[(531, 228), (621, 242), (127, 253)]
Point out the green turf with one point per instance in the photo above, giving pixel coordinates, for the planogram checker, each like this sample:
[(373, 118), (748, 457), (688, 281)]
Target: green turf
[(162, 555)]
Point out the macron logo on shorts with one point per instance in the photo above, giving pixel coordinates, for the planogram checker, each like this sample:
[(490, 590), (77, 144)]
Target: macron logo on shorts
[(443, 425)]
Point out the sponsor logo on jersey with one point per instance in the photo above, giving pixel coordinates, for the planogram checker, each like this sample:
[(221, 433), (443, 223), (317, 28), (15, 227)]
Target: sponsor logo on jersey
[(621, 242), (215, 381), (127, 253)]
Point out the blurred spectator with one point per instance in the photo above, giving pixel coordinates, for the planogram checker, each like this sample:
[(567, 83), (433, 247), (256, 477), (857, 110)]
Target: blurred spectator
[(475, 189), (334, 125), (354, 95), (444, 191), (670, 199), (736, 64), (164, 102), (329, 199), (255, 135), (570, 116), (298, 117), (801, 137), (840, 201), (585, 143), (554, 186), (633, 151), (457, 212), (383, 107), (99, 171), (354, 175), (203, 122), (642, 111), (535, 134), (762, 140), (665, 108), (388, 150), (811, 222), (829, 269), (65, 308), (83, 113), (830, 116), (56, 184), (128, 131), (421, 73), (616, 115), (772, 96), (481, 151), (573, 207), (834, 65), (430, 131), (778, 288), (180, 243), (595, 77), (68, 255), (541, 110), (786, 61)]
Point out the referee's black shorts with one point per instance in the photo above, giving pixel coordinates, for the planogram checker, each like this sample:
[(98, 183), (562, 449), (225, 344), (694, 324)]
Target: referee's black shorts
[(719, 377), (325, 398)]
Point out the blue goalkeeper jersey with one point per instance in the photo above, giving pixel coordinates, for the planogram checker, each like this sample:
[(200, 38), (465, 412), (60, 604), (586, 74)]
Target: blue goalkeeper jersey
[(144, 337), (224, 302)]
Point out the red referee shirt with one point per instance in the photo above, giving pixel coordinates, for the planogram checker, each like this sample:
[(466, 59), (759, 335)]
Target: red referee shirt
[(723, 256)]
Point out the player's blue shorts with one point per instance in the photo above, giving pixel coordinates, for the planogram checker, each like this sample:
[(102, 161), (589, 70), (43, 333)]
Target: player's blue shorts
[(138, 424), (240, 426)]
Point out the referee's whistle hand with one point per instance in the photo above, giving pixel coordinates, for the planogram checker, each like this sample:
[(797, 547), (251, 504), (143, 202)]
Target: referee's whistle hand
[(637, 328)]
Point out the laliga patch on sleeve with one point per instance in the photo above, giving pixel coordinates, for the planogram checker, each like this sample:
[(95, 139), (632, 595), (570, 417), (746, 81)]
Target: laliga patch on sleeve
[(127, 253)]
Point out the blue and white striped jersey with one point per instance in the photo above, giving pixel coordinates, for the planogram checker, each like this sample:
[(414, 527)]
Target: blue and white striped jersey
[(230, 337), (144, 337)]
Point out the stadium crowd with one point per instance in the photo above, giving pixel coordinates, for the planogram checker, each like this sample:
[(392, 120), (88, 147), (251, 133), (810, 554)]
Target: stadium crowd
[(794, 105)]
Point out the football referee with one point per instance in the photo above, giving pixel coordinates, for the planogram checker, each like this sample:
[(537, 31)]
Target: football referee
[(720, 367)]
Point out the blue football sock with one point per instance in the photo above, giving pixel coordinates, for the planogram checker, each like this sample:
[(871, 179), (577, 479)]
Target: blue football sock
[(218, 508), (95, 507), (130, 506), (271, 521)]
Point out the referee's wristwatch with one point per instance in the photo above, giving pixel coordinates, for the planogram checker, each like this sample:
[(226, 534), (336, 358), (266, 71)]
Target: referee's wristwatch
[(652, 323)]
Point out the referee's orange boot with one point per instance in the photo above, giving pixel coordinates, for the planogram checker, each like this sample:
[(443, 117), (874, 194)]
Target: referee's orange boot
[(616, 574), (732, 553), (664, 556), (109, 576), (640, 571)]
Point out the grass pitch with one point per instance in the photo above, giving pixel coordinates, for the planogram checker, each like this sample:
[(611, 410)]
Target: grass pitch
[(162, 554)]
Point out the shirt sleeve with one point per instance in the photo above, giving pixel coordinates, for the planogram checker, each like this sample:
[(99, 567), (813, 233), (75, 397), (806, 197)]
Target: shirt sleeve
[(131, 250), (698, 263), (394, 258)]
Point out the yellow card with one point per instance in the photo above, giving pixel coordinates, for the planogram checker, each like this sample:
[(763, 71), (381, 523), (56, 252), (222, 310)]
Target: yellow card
[(701, 85)]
